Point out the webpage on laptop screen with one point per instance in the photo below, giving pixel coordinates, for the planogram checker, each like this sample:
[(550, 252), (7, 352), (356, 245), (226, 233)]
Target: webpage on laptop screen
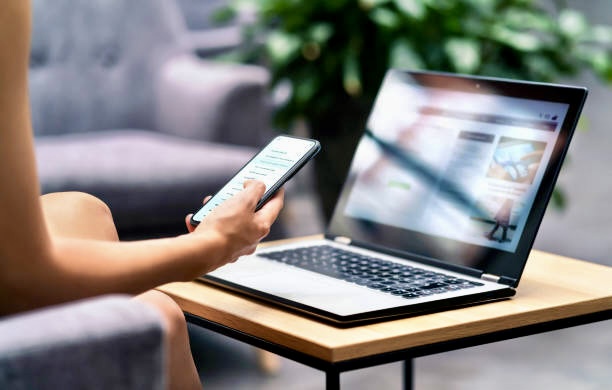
[(453, 164)]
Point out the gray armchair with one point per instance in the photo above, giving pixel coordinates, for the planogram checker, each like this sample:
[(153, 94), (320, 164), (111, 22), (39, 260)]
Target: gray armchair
[(112, 342), (124, 110)]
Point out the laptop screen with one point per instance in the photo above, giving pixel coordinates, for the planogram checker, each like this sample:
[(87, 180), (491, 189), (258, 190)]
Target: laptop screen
[(457, 169)]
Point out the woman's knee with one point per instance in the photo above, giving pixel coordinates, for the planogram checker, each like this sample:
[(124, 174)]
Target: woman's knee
[(79, 202), (169, 310), (77, 214)]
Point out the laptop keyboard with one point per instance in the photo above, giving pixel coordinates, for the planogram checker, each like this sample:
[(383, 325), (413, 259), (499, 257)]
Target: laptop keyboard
[(378, 274)]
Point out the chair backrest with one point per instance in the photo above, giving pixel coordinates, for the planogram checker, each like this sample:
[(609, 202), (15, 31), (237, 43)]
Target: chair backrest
[(92, 62)]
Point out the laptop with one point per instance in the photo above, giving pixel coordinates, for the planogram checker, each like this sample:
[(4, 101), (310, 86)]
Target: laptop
[(440, 208)]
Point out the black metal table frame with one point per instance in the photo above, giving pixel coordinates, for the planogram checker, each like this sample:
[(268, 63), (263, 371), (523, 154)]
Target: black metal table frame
[(334, 369)]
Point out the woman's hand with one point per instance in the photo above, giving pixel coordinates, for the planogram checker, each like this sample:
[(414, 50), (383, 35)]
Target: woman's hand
[(236, 223)]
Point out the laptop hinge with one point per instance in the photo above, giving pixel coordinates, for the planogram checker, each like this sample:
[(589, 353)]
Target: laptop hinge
[(490, 278), (342, 240)]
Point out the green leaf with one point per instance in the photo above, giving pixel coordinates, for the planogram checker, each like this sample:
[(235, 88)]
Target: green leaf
[(384, 17), (558, 200), (542, 67), (321, 32), (484, 6), (414, 8), (572, 23), (224, 15), (369, 4), (599, 58), (441, 5), (404, 56), (282, 47), (524, 41), (523, 19), (351, 76), (464, 54), (335, 5), (305, 89)]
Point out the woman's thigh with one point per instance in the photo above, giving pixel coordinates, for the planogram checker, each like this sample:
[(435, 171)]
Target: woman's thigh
[(78, 215)]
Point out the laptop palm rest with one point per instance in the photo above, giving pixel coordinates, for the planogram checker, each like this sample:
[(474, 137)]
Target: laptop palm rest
[(304, 287)]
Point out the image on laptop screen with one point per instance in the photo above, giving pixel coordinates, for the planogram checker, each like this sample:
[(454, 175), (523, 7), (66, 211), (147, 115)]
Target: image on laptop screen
[(490, 149)]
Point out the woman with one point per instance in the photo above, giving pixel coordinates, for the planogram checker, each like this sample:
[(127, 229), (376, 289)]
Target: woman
[(61, 247)]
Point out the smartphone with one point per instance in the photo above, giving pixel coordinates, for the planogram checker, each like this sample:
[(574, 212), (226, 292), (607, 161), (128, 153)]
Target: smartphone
[(276, 163)]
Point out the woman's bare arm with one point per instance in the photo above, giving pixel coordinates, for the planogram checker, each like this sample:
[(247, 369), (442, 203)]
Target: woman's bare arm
[(22, 231), (38, 269), (77, 268)]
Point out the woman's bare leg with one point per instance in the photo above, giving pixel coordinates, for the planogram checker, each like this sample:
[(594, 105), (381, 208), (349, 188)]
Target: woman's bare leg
[(268, 362), (182, 373), (78, 215)]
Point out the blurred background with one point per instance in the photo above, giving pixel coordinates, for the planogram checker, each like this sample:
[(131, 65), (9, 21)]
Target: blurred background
[(161, 101)]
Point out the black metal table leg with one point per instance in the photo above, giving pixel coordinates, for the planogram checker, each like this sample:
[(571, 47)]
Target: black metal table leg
[(332, 380), (408, 374)]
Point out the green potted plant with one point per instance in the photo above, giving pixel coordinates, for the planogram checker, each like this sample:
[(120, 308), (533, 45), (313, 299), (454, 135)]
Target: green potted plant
[(334, 53)]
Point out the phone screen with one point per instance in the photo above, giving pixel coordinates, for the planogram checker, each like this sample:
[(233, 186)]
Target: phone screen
[(273, 165)]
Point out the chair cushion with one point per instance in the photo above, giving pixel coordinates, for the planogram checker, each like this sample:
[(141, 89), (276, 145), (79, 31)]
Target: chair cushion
[(136, 171)]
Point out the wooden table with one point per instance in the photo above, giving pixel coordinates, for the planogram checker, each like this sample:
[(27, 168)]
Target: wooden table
[(555, 292)]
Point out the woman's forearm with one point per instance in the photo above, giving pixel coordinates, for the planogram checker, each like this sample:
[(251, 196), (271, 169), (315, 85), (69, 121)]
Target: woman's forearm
[(77, 268)]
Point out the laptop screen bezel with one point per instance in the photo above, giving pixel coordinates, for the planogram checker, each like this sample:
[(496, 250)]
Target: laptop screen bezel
[(507, 265)]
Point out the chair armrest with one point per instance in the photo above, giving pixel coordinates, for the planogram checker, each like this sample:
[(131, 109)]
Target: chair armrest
[(111, 342), (212, 101)]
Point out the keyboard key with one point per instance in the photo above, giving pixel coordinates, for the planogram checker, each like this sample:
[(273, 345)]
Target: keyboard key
[(433, 285)]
